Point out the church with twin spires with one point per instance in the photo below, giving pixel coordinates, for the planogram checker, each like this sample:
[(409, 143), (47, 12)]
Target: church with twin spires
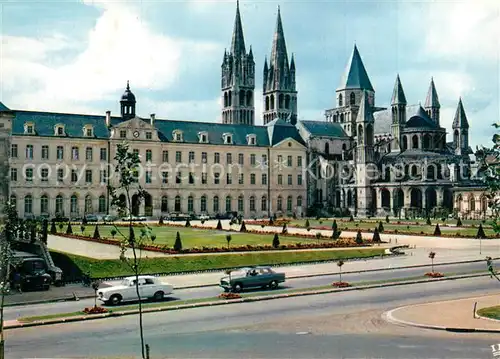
[(362, 158)]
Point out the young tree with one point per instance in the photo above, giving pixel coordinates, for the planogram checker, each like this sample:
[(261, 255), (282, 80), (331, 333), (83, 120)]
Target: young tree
[(228, 239), (431, 256), (276, 241), (53, 229), (69, 230), (387, 219), (480, 232), (340, 263), (284, 230), (376, 235), (188, 223), (437, 230), (97, 235), (380, 227), (178, 243), (243, 227), (428, 222), (127, 166), (219, 226), (359, 238)]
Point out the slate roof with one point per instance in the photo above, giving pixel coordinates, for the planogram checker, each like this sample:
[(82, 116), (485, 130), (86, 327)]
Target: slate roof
[(420, 119), (460, 120), (432, 99), (278, 130), (3, 108), (355, 76), (398, 95), (323, 128), (73, 123), (383, 119)]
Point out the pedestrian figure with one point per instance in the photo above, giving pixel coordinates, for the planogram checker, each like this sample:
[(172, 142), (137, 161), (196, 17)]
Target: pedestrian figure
[(396, 241), (17, 282)]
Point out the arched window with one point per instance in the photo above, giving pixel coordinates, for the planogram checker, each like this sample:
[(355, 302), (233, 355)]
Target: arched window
[(341, 118), (405, 143), (299, 201), (252, 203), (289, 204), (177, 204), (216, 204), (287, 102), (28, 204), (229, 98), (267, 103), (225, 99), (263, 203), (414, 141), (352, 98), (459, 203), (102, 204), (164, 204), (59, 205), (190, 204), (456, 137), (369, 135), (272, 102), (228, 204), (431, 172), (73, 204), (249, 98), (360, 133), (203, 203), (88, 204), (281, 100), (44, 204), (13, 201), (242, 97), (427, 141), (472, 203), (279, 204), (341, 102), (484, 204), (327, 148), (241, 204)]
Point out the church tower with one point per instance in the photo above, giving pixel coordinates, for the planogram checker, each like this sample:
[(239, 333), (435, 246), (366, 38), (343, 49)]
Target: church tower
[(127, 104), (364, 155), (238, 79), (432, 105), (280, 94), (398, 114), (460, 130), (355, 83)]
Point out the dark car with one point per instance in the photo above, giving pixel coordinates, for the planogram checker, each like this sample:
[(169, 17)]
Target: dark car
[(34, 274), (252, 277)]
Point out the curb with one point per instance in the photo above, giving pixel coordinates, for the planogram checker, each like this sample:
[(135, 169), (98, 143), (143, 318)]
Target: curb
[(389, 317), (242, 300), (326, 274)]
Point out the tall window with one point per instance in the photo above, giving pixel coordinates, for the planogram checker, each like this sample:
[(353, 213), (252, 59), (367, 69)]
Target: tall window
[(289, 204), (73, 204), (45, 174), (13, 174), (88, 154), (279, 204), (45, 152), (241, 159), (165, 156), (216, 204), (178, 156), (216, 157), (44, 204), (29, 174), (252, 203), (190, 204), (289, 161), (102, 204), (191, 156), (263, 203), (228, 204), (29, 152), (252, 159), (59, 205), (299, 201), (203, 203), (28, 204), (229, 158), (60, 152), (13, 151), (88, 204), (103, 154), (177, 204), (149, 155), (75, 155), (241, 204), (299, 161), (164, 204)]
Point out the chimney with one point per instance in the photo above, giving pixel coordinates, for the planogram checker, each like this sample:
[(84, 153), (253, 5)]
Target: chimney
[(152, 119), (108, 118)]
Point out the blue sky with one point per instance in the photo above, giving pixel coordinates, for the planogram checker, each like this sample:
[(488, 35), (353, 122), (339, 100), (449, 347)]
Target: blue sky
[(76, 56)]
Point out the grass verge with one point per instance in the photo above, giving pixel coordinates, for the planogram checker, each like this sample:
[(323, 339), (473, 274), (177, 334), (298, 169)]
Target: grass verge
[(250, 295), (490, 312), (109, 268)]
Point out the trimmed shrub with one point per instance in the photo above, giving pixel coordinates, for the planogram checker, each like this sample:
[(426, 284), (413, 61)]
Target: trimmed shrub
[(69, 230), (178, 242), (219, 226), (53, 229), (387, 219), (307, 225), (285, 229), (334, 226), (380, 227), (459, 222), (97, 235), (376, 235), (160, 221), (351, 218), (243, 227), (188, 223), (359, 238), (437, 230), (276, 241), (480, 232)]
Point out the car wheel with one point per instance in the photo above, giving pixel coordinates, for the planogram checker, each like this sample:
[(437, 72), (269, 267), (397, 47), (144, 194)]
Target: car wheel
[(237, 287), (159, 296), (115, 299), (273, 284)]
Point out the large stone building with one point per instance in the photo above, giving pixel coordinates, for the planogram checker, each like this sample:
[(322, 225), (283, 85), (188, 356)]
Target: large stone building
[(363, 158)]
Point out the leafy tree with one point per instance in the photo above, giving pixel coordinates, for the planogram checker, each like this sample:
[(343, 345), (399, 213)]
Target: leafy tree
[(437, 230), (431, 256), (178, 243), (376, 235), (228, 239), (53, 229), (380, 227), (480, 232), (243, 227), (113, 233), (82, 228), (127, 166), (97, 235), (219, 226), (276, 241), (359, 237), (69, 230)]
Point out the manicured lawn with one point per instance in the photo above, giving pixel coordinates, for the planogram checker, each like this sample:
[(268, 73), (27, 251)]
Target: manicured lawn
[(74, 265), (192, 237), (491, 312), (403, 227)]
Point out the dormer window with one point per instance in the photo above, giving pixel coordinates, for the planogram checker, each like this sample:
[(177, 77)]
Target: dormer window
[(29, 128), (177, 135), (59, 130), (228, 138), (251, 140), (203, 137), (88, 131)]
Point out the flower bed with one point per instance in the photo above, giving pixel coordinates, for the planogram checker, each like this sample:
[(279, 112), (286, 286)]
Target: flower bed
[(229, 296), (95, 310), (434, 274), (340, 284)]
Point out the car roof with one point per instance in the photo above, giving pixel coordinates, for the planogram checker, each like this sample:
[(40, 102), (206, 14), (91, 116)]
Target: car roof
[(140, 277)]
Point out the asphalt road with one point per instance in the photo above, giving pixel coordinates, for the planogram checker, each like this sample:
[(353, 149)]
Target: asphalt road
[(12, 313), (302, 327)]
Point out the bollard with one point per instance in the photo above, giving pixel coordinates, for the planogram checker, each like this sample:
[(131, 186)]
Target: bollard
[(474, 313)]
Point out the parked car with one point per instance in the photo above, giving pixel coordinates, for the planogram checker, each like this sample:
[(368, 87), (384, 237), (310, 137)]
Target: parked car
[(109, 218), (92, 218), (149, 288), (176, 216), (33, 273), (134, 219), (204, 217), (252, 277)]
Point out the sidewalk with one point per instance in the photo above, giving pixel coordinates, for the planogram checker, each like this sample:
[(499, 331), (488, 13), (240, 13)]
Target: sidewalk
[(454, 315)]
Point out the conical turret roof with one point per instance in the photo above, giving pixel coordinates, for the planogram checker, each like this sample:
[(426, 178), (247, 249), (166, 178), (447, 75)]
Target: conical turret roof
[(355, 76), (365, 113), (238, 41), (398, 95), (460, 119), (432, 99)]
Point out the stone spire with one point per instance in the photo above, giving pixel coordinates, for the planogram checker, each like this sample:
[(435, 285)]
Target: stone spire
[(460, 120), (279, 55), (355, 76), (238, 41), (432, 99), (365, 113), (398, 95)]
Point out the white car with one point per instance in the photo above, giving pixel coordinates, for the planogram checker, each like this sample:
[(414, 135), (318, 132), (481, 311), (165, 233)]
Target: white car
[(149, 288)]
